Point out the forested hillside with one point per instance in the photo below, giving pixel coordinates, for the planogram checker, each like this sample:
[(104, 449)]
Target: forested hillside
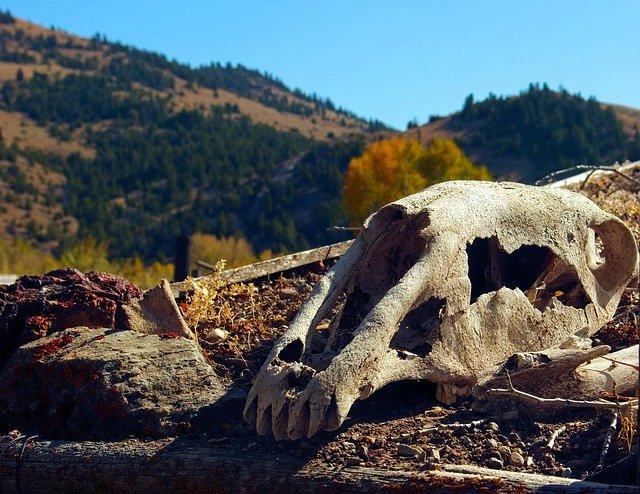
[(106, 142), (130, 160), (530, 135)]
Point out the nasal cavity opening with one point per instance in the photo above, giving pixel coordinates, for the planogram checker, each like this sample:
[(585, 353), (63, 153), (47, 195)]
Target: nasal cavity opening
[(536, 270), (419, 329)]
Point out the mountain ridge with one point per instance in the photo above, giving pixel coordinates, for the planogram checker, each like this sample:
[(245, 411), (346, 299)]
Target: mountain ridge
[(105, 141)]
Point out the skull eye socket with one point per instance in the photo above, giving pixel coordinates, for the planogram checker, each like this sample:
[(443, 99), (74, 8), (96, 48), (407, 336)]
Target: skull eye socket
[(536, 270), (292, 352)]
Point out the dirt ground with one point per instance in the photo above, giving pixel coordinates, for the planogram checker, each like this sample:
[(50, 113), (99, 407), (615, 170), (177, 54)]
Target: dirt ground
[(402, 426)]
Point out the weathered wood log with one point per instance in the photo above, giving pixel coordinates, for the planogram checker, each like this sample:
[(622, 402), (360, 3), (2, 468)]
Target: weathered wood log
[(274, 266), (563, 374), (614, 372), (184, 465)]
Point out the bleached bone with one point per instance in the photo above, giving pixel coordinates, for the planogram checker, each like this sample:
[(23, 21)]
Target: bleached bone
[(443, 285)]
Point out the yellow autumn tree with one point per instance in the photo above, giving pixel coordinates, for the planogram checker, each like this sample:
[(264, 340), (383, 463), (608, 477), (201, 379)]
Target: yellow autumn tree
[(385, 172), (443, 160), (211, 249), (393, 168)]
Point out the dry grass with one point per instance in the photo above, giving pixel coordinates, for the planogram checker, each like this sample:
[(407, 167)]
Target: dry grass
[(39, 208), (19, 128), (203, 99)]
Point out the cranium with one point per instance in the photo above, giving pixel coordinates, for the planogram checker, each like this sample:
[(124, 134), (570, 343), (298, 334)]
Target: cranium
[(442, 285)]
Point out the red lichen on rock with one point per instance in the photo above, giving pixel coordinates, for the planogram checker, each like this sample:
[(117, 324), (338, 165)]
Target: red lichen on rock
[(52, 347), (37, 306), (169, 336)]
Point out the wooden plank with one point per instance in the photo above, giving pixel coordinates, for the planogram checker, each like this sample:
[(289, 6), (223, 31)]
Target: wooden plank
[(274, 266), (195, 466)]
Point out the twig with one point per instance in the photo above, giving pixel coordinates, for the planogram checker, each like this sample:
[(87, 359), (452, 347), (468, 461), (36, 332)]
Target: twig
[(560, 402), (607, 441), (19, 461), (345, 228), (554, 436), (13, 441), (457, 425), (621, 363)]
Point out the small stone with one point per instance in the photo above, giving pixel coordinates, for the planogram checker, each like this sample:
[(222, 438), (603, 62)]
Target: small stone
[(432, 454), (510, 415), (410, 451), (495, 454), (530, 462), (566, 472), (352, 461), (378, 443), (288, 293), (219, 334), (466, 441), (252, 447), (495, 464), (503, 439), (304, 445), (514, 437), (349, 446), (491, 443), (516, 459), (363, 451), (436, 410), (492, 426)]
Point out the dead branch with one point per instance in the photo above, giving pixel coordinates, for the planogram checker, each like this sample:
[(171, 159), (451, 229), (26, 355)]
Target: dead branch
[(552, 177), (607, 441), (563, 402), (273, 266), (457, 425), (552, 440)]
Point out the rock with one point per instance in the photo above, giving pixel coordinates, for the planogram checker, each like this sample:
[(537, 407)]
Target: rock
[(156, 313), (431, 454), (566, 472), (492, 426), (496, 454), (352, 461), (411, 451), (36, 306), (514, 437), (349, 446), (102, 384), (491, 443), (516, 459), (510, 415), (495, 463), (288, 293), (503, 439), (221, 334)]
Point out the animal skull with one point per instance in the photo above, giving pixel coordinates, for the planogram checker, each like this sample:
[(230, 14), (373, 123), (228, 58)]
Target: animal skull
[(442, 285)]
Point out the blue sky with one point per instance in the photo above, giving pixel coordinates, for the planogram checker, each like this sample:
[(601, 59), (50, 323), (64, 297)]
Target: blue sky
[(392, 60)]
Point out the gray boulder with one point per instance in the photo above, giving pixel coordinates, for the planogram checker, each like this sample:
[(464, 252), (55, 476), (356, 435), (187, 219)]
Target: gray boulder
[(105, 384)]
